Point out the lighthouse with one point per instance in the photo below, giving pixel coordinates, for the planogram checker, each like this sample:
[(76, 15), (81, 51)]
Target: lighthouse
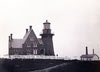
[(47, 38)]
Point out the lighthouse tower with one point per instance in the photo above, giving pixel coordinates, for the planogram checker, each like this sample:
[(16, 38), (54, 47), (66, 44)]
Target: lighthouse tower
[(47, 39)]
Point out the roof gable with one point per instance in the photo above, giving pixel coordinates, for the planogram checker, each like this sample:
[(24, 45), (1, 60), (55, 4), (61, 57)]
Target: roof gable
[(17, 43), (89, 56), (26, 36), (30, 37)]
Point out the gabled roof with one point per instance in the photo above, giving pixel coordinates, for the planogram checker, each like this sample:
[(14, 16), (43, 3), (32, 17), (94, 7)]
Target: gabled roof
[(26, 36), (89, 56), (17, 43)]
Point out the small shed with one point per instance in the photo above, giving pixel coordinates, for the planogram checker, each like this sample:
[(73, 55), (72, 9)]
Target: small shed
[(89, 57)]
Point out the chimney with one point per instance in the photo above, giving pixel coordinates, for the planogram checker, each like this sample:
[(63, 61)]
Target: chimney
[(86, 50), (30, 27), (93, 51), (11, 36), (26, 30)]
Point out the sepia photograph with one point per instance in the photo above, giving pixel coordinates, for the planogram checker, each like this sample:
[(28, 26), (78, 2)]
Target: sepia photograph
[(49, 35)]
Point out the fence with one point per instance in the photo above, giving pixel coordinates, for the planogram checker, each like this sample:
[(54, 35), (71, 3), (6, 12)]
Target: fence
[(34, 57)]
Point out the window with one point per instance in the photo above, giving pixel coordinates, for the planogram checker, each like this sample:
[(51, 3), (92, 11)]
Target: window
[(34, 51)]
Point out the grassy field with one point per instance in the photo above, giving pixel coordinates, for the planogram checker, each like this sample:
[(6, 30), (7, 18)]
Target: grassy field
[(47, 65), (75, 66)]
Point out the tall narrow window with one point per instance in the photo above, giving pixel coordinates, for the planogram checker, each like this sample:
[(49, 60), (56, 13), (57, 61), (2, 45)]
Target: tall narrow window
[(34, 51)]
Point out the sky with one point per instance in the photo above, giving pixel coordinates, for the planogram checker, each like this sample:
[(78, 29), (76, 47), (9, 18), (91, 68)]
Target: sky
[(75, 23)]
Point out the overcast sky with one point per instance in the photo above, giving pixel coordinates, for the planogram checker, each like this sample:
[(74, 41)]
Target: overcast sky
[(75, 23)]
